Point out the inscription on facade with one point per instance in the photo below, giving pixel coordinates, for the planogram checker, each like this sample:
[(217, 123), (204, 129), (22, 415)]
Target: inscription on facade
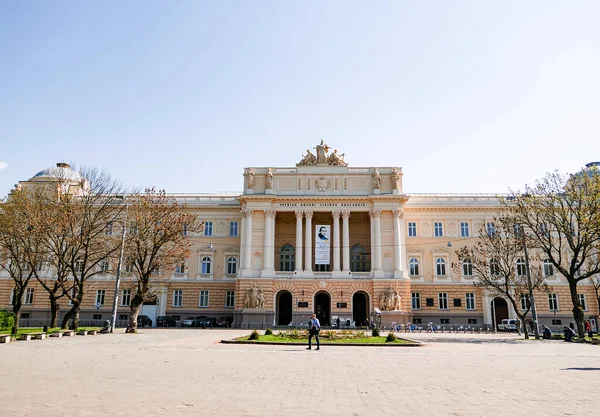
[(322, 205)]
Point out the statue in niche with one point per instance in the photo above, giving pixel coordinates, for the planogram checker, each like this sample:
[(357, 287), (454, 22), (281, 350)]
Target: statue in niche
[(390, 300), (335, 159), (252, 297), (260, 299), (376, 179), (308, 159), (395, 179), (250, 174), (269, 179), (322, 151)]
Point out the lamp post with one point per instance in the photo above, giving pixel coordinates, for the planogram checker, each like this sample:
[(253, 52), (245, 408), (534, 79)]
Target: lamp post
[(529, 286), (118, 277)]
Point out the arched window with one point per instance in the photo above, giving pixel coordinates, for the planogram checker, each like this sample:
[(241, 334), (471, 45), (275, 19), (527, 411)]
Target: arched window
[(206, 265), (548, 268), (440, 267), (467, 268), (494, 267), (287, 255), (231, 265), (358, 259), (521, 271), (413, 267)]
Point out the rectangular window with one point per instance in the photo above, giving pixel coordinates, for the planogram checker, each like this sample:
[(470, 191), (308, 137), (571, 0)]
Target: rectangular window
[(418, 321), (123, 317), (203, 299), (445, 321), (464, 229), (104, 265), (207, 228), (97, 317), (443, 301), (100, 294), (556, 322), (29, 296), (438, 230), (412, 229), (457, 302), (472, 321), (525, 304), (184, 232), (177, 298), (233, 228), (470, 300), (416, 301), (230, 299), (180, 269), (126, 298), (491, 229), (552, 302), (582, 301), (429, 302), (109, 229)]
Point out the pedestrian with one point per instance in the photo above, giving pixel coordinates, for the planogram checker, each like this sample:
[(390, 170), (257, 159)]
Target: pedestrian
[(337, 323), (518, 326), (546, 332), (572, 326), (569, 333), (588, 328), (314, 326)]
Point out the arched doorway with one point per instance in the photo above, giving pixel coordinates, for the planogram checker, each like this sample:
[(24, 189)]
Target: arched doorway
[(360, 304), (323, 308), (284, 308), (499, 310)]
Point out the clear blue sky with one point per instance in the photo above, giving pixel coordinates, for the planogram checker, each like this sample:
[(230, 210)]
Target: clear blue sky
[(466, 96)]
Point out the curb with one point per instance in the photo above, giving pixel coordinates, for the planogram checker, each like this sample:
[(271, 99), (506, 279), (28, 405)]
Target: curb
[(252, 342)]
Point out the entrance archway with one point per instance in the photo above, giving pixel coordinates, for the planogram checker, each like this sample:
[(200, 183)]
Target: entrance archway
[(323, 308), (284, 308), (499, 310), (360, 304)]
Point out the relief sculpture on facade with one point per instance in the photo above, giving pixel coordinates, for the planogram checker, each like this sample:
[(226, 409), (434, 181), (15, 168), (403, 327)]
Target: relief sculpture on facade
[(323, 157), (255, 297), (390, 300)]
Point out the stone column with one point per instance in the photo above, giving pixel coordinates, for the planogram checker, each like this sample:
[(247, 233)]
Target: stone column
[(269, 243), (398, 246), (345, 243), (298, 257), (308, 244), (242, 235), (377, 269), (247, 271), (336, 242)]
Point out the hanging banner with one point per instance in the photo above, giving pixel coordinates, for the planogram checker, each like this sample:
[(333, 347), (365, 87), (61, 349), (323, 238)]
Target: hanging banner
[(322, 244)]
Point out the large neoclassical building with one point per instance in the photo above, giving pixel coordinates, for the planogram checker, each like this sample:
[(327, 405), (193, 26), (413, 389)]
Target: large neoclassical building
[(327, 238)]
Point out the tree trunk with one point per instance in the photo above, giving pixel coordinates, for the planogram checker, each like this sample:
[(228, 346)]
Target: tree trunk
[(54, 309), (17, 305), (134, 311), (577, 311), (66, 318), (75, 324), (17, 319), (524, 326)]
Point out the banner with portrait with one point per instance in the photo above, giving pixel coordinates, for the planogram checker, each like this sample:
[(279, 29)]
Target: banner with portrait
[(322, 242)]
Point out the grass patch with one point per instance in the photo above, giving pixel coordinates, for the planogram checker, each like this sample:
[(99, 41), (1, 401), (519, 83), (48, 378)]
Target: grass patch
[(370, 340), (40, 329)]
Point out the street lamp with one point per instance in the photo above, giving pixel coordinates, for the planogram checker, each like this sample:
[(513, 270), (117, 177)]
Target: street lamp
[(119, 265)]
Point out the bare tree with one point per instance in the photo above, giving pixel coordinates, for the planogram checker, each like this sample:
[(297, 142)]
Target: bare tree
[(497, 260), (595, 281), (562, 214), (157, 243), (20, 245)]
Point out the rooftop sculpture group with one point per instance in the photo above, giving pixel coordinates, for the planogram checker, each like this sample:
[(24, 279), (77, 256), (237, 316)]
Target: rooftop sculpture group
[(322, 157)]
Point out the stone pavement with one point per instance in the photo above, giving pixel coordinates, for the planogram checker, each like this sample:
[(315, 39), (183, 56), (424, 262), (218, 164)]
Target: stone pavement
[(187, 372)]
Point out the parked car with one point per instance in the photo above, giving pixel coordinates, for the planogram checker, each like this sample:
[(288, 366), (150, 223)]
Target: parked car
[(165, 321), (188, 322), (200, 321), (144, 321), (508, 325), (224, 321)]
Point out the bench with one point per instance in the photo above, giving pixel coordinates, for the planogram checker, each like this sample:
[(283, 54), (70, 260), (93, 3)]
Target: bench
[(5, 338), (62, 333), (92, 332), (82, 332), (29, 336)]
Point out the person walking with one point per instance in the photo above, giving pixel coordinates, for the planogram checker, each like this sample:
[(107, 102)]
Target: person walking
[(314, 326), (588, 328), (518, 326)]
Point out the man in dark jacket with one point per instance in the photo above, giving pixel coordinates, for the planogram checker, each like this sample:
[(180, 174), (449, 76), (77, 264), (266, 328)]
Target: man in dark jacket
[(314, 326)]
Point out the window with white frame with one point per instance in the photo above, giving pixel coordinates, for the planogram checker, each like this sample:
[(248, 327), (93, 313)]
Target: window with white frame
[(548, 268), (109, 229), (525, 304), (440, 267), (413, 267), (177, 298), (230, 299), (208, 228), (412, 229), (180, 268), (467, 268), (104, 266), (582, 301), (79, 265), (443, 301), (232, 264), (438, 229), (490, 229), (100, 295), (206, 265), (517, 230), (184, 232), (470, 300), (126, 298), (128, 266), (494, 267), (521, 270), (552, 302), (464, 229), (416, 300), (544, 229), (203, 302), (29, 296), (233, 228)]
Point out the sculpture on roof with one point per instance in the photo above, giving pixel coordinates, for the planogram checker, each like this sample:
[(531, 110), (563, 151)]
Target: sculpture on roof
[(322, 157), (250, 174), (376, 179), (395, 179), (269, 179)]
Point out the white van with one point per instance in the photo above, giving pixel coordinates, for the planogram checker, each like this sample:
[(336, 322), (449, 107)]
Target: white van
[(508, 325)]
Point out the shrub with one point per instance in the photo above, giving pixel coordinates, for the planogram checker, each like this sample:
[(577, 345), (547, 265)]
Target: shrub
[(7, 319), (268, 332), (254, 335), (375, 332), (391, 337)]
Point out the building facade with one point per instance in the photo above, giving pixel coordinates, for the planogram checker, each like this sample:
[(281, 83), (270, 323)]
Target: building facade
[(326, 238)]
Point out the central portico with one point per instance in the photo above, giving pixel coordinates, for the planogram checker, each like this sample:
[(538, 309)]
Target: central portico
[(324, 237)]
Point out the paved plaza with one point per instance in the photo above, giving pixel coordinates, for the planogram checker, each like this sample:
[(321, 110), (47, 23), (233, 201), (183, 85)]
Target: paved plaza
[(187, 372)]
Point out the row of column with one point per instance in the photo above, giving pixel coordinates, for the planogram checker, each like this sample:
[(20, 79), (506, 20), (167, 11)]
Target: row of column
[(376, 243)]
